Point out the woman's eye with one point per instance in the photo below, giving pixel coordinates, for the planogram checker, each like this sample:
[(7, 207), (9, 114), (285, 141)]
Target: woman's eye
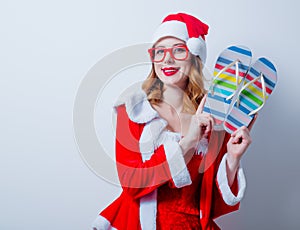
[(179, 50), (159, 52)]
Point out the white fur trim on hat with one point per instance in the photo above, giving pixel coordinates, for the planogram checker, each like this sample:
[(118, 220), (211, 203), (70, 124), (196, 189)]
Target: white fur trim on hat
[(197, 46), (173, 29)]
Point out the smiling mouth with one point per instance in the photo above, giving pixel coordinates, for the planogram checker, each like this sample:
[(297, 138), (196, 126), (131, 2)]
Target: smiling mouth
[(169, 71)]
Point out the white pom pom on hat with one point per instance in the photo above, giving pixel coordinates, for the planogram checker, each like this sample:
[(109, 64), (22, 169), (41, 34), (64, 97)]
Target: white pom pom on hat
[(187, 28), (197, 46)]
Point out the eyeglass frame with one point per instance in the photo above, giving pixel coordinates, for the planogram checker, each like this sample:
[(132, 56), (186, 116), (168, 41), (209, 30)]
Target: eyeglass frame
[(150, 51)]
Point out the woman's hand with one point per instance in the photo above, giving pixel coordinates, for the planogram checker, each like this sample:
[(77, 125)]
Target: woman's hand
[(240, 140), (238, 143), (236, 147), (201, 124)]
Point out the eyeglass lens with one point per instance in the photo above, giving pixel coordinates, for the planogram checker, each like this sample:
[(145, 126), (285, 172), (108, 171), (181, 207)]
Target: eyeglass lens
[(177, 52)]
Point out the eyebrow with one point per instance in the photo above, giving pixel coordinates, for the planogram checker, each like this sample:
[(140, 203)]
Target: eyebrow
[(177, 44)]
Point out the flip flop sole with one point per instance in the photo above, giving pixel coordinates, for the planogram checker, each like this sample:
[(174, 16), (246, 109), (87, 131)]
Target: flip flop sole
[(225, 84), (251, 98)]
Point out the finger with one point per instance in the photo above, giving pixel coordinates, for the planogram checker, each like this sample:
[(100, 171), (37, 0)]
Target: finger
[(240, 129), (231, 140), (206, 116), (212, 121), (237, 139), (242, 137), (211, 125), (238, 135), (201, 105), (234, 133), (252, 122), (205, 124), (208, 127)]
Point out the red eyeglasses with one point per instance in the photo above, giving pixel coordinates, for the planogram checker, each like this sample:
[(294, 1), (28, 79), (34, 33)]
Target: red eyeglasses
[(178, 52)]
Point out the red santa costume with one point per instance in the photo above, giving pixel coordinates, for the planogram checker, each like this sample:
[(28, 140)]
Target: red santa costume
[(161, 191)]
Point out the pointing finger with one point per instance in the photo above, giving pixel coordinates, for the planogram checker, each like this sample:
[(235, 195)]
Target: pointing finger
[(201, 105)]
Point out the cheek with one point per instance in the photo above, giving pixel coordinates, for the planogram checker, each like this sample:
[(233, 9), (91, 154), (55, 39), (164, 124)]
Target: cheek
[(186, 69), (186, 66), (157, 69)]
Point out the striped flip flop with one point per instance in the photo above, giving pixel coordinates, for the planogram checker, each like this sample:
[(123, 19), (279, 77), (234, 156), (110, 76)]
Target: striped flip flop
[(258, 85), (230, 69)]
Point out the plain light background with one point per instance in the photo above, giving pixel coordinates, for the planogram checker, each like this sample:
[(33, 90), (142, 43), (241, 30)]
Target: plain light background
[(46, 48)]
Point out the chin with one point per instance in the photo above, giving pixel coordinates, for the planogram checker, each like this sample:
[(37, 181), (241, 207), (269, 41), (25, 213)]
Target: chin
[(175, 83)]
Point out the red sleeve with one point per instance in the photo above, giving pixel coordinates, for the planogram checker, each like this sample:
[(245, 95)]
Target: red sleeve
[(219, 206), (137, 178)]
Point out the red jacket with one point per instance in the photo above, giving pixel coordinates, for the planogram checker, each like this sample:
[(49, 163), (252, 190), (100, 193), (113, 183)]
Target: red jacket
[(149, 161)]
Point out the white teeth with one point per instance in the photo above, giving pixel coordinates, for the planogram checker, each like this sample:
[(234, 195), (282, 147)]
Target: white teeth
[(169, 70)]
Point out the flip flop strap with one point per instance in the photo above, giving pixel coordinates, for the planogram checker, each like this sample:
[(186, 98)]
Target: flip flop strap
[(263, 84), (237, 70)]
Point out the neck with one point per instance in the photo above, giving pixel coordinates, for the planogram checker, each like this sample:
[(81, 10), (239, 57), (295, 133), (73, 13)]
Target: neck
[(173, 96)]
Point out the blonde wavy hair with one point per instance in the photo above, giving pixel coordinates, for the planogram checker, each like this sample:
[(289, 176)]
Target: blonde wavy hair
[(194, 90)]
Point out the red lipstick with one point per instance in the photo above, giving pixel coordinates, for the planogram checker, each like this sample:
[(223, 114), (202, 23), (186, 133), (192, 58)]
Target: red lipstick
[(170, 71)]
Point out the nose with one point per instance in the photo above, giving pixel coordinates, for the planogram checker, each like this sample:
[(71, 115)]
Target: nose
[(168, 58)]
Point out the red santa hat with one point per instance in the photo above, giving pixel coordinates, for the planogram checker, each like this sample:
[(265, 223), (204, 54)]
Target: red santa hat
[(187, 28)]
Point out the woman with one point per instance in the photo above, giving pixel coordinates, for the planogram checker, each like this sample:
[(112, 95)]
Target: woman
[(175, 170)]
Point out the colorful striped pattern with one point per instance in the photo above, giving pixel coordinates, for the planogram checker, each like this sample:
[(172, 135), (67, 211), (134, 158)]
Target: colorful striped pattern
[(251, 98), (225, 85)]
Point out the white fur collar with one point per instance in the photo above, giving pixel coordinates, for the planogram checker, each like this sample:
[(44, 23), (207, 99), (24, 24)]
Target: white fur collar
[(138, 107), (139, 110)]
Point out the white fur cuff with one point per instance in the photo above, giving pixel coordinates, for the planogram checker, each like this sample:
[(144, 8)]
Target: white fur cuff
[(178, 169), (222, 181), (100, 223)]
